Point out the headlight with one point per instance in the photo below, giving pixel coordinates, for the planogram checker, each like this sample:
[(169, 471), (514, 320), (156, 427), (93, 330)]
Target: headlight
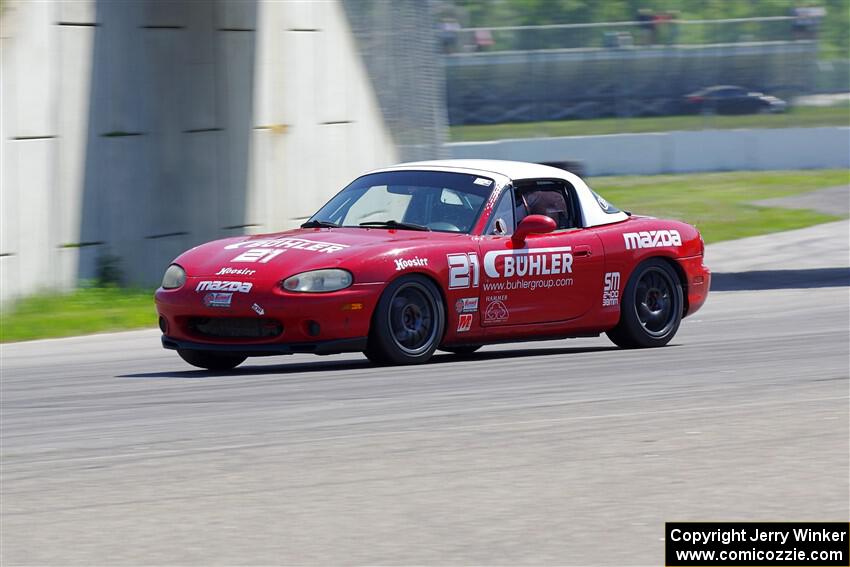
[(318, 281), (174, 277)]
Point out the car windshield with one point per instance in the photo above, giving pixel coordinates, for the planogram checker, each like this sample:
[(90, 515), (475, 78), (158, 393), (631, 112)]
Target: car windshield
[(408, 200)]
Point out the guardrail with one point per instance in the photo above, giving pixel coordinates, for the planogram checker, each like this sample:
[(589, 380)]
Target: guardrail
[(659, 29)]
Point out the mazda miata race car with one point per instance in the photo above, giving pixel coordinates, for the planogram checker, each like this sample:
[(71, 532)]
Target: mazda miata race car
[(446, 255)]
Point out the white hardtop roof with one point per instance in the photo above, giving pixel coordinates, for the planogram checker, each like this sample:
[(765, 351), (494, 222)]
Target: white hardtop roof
[(592, 208), (509, 169)]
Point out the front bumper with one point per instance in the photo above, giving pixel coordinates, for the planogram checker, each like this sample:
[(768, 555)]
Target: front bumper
[(337, 346), (286, 322)]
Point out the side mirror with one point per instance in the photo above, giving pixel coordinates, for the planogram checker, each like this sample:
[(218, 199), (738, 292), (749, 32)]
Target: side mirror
[(533, 224)]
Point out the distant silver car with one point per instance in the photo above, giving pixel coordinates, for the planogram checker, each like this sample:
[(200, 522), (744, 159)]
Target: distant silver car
[(728, 99)]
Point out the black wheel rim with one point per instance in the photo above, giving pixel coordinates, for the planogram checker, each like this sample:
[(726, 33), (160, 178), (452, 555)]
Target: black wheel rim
[(412, 318), (656, 302)]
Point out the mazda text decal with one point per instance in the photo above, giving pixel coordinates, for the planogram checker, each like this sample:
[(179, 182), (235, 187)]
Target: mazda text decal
[(241, 287), (529, 262), (652, 239)]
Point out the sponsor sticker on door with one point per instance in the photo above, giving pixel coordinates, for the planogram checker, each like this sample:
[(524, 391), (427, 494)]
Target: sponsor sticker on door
[(464, 322), (496, 312), (466, 305), (611, 289)]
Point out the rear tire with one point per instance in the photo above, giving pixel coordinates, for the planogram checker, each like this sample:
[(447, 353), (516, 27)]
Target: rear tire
[(408, 323), (652, 307), (211, 360)]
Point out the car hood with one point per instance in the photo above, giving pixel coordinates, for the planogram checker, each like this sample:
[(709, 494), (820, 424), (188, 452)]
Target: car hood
[(285, 253)]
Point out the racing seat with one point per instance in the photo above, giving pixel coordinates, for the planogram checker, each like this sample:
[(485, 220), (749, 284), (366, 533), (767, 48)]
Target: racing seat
[(549, 203)]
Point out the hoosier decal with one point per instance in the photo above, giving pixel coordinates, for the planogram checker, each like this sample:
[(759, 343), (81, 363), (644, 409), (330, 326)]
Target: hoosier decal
[(235, 272), (652, 239), (404, 263)]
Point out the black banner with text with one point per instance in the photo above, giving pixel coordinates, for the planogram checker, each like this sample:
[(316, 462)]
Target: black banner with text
[(813, 544)]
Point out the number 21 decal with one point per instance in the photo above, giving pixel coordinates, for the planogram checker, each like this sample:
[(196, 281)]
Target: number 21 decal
[(463, 270)]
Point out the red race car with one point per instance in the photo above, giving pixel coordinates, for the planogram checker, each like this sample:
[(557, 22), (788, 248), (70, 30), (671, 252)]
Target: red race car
[(442, 254)]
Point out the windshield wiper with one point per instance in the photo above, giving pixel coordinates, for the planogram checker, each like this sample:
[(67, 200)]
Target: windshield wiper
[(319, 224), (396, 224)]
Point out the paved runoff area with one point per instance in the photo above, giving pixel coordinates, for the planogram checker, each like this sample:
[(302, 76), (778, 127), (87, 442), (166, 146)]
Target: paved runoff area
[(830, 201), (565, 452)]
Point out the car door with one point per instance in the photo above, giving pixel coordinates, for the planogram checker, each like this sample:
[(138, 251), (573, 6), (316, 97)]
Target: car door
[(547, 278), (735, 101)]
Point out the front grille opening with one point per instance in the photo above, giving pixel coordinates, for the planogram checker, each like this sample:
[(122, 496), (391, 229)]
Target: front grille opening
[(235, 327)]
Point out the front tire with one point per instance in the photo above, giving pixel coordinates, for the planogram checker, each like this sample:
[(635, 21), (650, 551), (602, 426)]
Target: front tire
[(652, 307), (211, 360), (408, 323)]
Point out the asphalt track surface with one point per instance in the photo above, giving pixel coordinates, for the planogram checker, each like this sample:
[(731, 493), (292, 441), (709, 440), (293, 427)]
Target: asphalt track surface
[(569, 452)]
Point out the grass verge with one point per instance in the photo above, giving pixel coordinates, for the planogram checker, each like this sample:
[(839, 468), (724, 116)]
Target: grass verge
[(802, 116), (717, 203), (86, 310)]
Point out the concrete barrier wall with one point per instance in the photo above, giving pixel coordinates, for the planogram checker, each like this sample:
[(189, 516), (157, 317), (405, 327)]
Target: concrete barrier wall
[(678, 152), (30, 83), (139, 129), (316, 122)]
